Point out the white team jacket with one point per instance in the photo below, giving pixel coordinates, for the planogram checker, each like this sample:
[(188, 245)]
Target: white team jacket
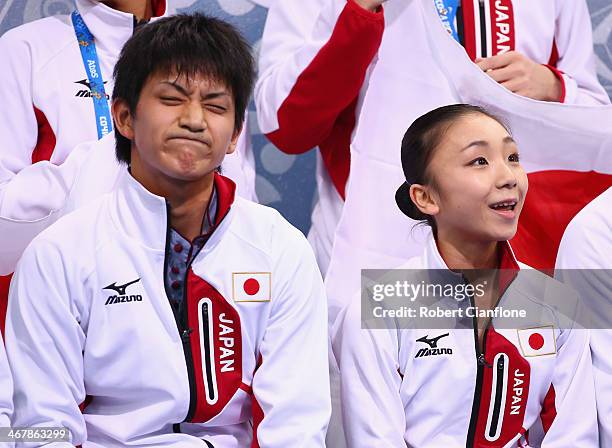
[(47, 106), (47, 112), (396, 394), (89, 321), (316, 58), (584, 262)]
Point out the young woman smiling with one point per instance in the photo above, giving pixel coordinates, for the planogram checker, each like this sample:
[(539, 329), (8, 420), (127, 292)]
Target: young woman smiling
[(492, 383)]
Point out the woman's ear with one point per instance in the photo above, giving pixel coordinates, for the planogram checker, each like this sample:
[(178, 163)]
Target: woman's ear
[(122, 118), (424, 199)]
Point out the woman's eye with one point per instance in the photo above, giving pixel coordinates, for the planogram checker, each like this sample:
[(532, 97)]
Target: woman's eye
[(514, 158), (479, 161)]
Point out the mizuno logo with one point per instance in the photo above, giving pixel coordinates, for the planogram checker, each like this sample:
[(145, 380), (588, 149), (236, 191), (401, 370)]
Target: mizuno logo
[(433, 342), (121, 288), (121, 296), (86, 93), (433, 347)]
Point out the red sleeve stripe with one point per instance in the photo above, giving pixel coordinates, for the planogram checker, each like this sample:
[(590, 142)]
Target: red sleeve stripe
[(326, 87), (46, 138), (257, 411), (549, 412), (559, 74), (5, 282)]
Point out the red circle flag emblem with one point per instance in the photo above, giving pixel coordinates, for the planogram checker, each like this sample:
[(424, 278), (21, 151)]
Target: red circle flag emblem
[(536, 341), (251, 286)]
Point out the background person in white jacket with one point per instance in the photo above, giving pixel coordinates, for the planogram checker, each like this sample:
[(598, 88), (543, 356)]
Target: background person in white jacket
[(317, 57), (489, 383), (46, 92), (584, 262), (187, 317)]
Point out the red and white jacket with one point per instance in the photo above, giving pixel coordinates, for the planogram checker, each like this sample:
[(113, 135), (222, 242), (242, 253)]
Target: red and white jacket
[(316, 57), (395, 394), (243, 363), (584, 263)]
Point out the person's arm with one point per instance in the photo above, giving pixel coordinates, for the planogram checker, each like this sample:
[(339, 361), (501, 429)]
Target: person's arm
[(583, 263), (576, 63), (570, 75), (18, 119), (39, 194), (372, 411), (6, 389), (291, 398), (44, 344), (568, 414), (313, 61)]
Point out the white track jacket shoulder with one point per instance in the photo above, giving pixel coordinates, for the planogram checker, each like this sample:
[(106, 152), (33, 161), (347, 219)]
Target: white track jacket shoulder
[(396, 392), (89, 323)]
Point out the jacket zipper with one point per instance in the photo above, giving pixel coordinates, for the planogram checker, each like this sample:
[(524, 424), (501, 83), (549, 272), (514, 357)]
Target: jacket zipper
[(180, 316), (481, 362)]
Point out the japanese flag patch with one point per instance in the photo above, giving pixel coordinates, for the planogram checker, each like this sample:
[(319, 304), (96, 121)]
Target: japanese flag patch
[(537, 341), (252, 286)]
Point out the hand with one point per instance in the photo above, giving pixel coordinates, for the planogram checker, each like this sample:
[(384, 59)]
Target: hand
[(370, 5), (521, 75)]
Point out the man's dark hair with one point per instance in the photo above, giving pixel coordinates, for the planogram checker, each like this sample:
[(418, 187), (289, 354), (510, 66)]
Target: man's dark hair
[(418, 145), (185, 45)]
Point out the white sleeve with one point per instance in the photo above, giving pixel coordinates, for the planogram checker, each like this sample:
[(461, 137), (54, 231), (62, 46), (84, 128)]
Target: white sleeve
[(372, 411), (304, 81), (18, 125), (6, 389), (39, 194), (583, 262), (574, 40), (292, 404), (571, 393), (44, 344)]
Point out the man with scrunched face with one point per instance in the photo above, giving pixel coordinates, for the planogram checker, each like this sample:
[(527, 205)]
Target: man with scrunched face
[(170, 312)]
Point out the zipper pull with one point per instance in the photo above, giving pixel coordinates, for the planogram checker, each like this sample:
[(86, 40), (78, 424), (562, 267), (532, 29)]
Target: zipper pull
[(482, 361), (185, 335)]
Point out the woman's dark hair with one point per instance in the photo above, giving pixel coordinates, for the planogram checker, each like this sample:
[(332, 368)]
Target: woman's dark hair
[(419, 142), (185, 45)]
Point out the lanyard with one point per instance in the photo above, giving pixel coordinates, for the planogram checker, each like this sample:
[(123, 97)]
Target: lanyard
[(447, 10), (94, 75)]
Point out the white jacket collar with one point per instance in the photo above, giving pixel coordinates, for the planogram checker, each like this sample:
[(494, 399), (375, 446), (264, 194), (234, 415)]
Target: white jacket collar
[(111, 28), (143, 215), (433, 259), (507, 263), (139, 213)]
